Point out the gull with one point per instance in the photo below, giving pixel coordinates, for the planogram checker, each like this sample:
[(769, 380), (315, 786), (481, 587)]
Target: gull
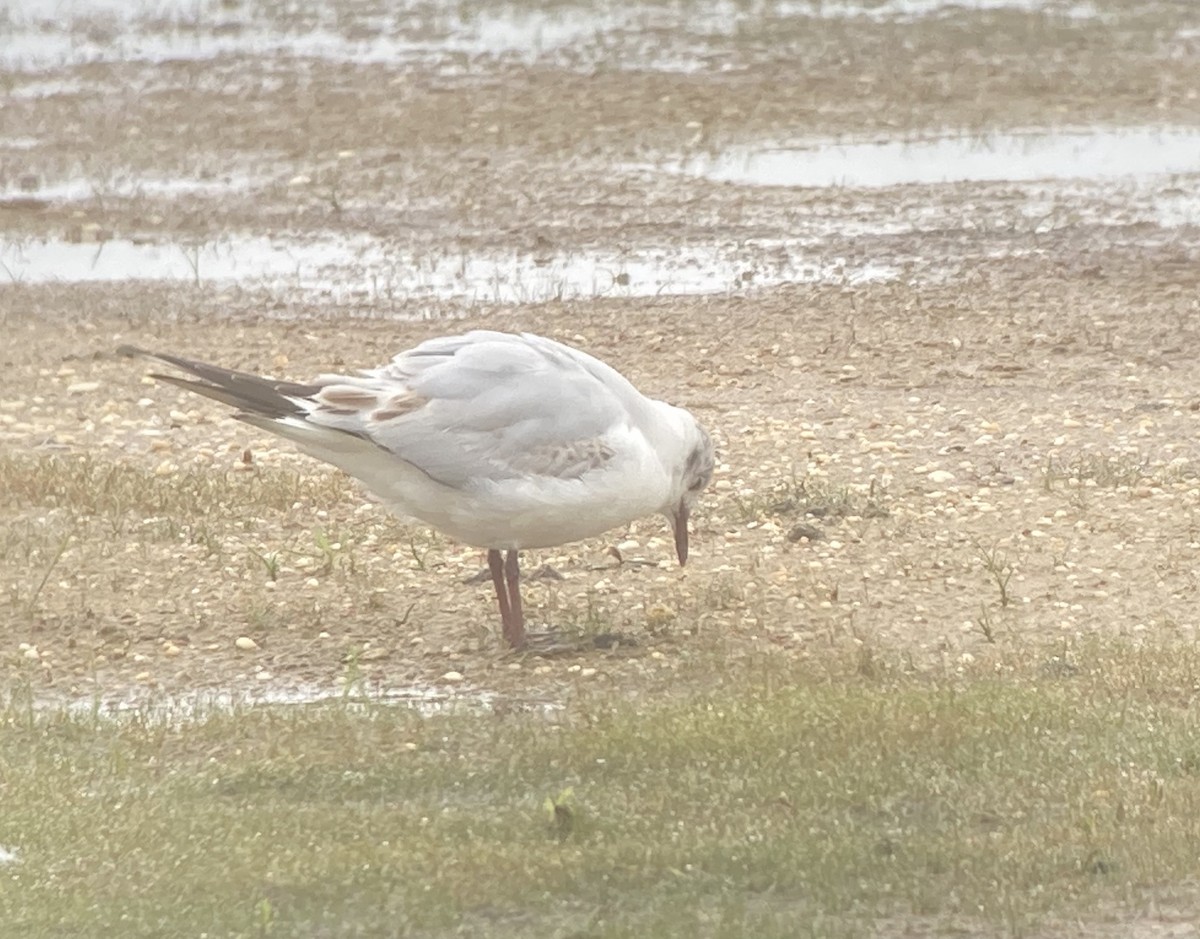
[(501, 441)]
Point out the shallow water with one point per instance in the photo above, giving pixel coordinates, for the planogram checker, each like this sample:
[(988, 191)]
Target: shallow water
[(915, 9), (55, 33), (1024, 156), (45, 34), (78, 190), (367, 267), (424, 699), (1087, 176)]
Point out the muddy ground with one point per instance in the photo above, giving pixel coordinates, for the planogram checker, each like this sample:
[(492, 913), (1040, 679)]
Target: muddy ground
[(989, 451)]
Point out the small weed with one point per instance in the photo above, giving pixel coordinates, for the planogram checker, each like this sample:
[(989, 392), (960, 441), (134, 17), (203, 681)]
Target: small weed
[(419, 554), (262, 616), (270, 563), (191, 254), (1050, 474), (594, 620), (353, 676), (869, 664), (206, 538), (814, 498), (327, 549), (264, 917), (998, 566), (722, 592), (1108, 471), (986, 624), (561, 813), (31, 603)]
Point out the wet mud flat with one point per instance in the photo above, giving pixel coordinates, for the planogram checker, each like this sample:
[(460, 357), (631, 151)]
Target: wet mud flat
[(942, 326)]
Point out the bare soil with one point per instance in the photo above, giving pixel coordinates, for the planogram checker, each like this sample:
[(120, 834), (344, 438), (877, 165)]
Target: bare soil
[(994, 454), (1042, 429)]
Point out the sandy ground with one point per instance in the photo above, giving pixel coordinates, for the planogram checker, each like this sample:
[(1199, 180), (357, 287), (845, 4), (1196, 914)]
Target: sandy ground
[(991, 451), (957, 422)]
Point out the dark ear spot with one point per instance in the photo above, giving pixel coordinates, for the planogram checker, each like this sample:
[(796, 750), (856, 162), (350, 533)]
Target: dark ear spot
[(698, 469)]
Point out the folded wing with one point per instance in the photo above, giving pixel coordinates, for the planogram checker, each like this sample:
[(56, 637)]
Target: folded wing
[(464, 410)]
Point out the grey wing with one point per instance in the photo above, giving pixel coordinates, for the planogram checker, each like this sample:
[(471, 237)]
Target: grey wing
[(482, 406)]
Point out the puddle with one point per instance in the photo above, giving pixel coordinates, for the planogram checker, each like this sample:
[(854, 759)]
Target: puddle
[(46, 34), (1012, 157), (917, 9), (427, 700), (42, 88), (424, 699), (1177, 206), (77, 190), (366, 268)]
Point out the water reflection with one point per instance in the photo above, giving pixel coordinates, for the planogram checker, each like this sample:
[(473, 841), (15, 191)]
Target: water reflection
[(344, 267), (1092, 153)]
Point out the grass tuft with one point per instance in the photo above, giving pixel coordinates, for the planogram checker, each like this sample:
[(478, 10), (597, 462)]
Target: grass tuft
[(113, 491), (814, 498)]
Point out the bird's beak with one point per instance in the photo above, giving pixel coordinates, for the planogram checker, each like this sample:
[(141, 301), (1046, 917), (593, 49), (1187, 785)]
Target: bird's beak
[(679, 523)]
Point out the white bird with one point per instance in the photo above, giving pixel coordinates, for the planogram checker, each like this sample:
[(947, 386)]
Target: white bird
[(500, 441)]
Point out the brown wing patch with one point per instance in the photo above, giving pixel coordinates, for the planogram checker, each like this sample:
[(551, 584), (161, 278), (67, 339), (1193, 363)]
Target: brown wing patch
[(346, 399), (565, 461), (380, 406), (398, 405)]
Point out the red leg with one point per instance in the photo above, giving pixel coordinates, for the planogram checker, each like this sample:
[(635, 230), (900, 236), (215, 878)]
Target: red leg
[(515, 630), (496, 566)]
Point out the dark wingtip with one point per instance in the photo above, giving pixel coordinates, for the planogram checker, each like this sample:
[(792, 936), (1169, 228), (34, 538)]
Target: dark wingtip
[(247, 392)]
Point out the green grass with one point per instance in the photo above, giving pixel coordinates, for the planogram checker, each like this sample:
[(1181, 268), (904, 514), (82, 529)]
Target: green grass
[(93, 487), (1109, 471), (817, 498), (784, 801)]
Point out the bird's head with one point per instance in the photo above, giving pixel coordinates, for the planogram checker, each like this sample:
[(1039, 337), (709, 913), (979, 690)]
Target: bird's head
[(691, 477)]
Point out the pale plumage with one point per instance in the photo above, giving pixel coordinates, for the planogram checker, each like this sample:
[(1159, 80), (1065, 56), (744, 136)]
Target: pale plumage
[(500, 441)]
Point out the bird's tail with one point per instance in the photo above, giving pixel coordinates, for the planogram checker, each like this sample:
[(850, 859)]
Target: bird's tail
[(252, 395)]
